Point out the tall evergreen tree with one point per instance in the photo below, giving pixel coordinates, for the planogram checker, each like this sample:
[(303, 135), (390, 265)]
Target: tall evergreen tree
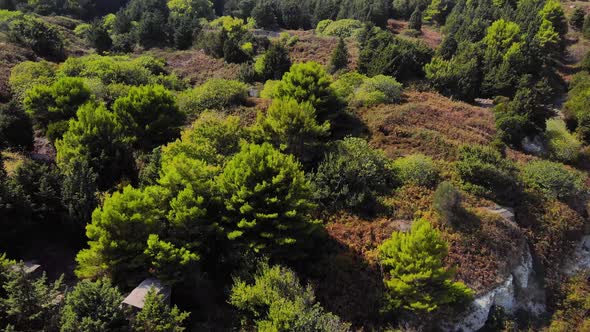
[(339, 58), (415, 21)]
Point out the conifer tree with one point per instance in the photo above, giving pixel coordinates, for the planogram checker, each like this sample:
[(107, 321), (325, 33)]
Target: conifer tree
[(415, 276), (577, 19), (339, 58), (157, 316)]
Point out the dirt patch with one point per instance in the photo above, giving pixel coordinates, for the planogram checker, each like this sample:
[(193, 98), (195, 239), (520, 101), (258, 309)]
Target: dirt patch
[(430, 36), (310, 47)]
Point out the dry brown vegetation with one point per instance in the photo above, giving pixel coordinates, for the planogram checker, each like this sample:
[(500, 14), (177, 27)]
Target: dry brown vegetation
[(196, 66), (310, 47), (430, 36), (427, 123)]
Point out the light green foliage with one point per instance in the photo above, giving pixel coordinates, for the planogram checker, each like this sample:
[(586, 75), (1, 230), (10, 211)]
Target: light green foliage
[(351, 175), (457, 77), (483, 171), (416, 169), (553, 12), (58, 102), (434, 12), (415, 276), (292, 127), (29, 31), (501, 35), (30, 304), (119, 232), (562, 145), (576, 106), (277, 301), (92, 306), (309, 82), (547, 37), (215, 94), (270, 90), (379, 89), (149, 113), (347, 84), (554, 180), (170, 262), (97, 137), (27, 74), (341, 28), (141, 70), (266, 199), (157, 316)]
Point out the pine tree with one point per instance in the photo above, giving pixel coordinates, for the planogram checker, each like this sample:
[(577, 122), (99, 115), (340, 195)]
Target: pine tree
[(157, 316), (415, 22), (339, 57), (415, 275)]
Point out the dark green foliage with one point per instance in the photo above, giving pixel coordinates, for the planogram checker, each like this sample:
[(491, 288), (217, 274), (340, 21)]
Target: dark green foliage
[(577, 18), (212, 43), (43, 39), (586, 27), (585, 64), (351, 176), (41, 185), (16, 129), (415, 276), (149, 113), (79, 190), (483, 171), (57, 102), (266, 199), (447, 202), (98, 37), (264, 15), (150, 172), (415, 21), (56, 130), (275, 63), (339, 58), (276, 301), (93, 306), (157, 316), (382, 53), (150, 30), (30, 304), (233, 53)]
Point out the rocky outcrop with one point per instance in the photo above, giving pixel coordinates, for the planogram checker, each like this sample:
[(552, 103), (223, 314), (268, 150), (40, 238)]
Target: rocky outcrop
[(580, 258), (520, 289)]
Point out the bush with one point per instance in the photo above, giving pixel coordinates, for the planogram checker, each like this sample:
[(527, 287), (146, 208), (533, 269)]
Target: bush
[(341, 28), (214, 94), (562, 145), (273, 64), (554, 180), (339, 59), (270, 89), (378, 90), (27, 74), (484, 172), (351, 175), (43, 39), (417, 170), (447, 201), (347, 84), (16, 129)]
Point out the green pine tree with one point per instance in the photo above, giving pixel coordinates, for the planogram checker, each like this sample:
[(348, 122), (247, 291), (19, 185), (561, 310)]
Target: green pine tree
[(339, 57), (157, 316), (415, 275)]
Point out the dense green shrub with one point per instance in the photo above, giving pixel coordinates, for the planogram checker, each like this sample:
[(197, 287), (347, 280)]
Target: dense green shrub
[(554, 180), (157, 315), (379, 89), (562, 145), (213, 94), (27, 74), (347, 84), (273, 64), (351, 176), (42, 38), (341, 28), (483, 171), (339, 59), (276, 301), (16, 129), (416, 169), (415, 276)]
